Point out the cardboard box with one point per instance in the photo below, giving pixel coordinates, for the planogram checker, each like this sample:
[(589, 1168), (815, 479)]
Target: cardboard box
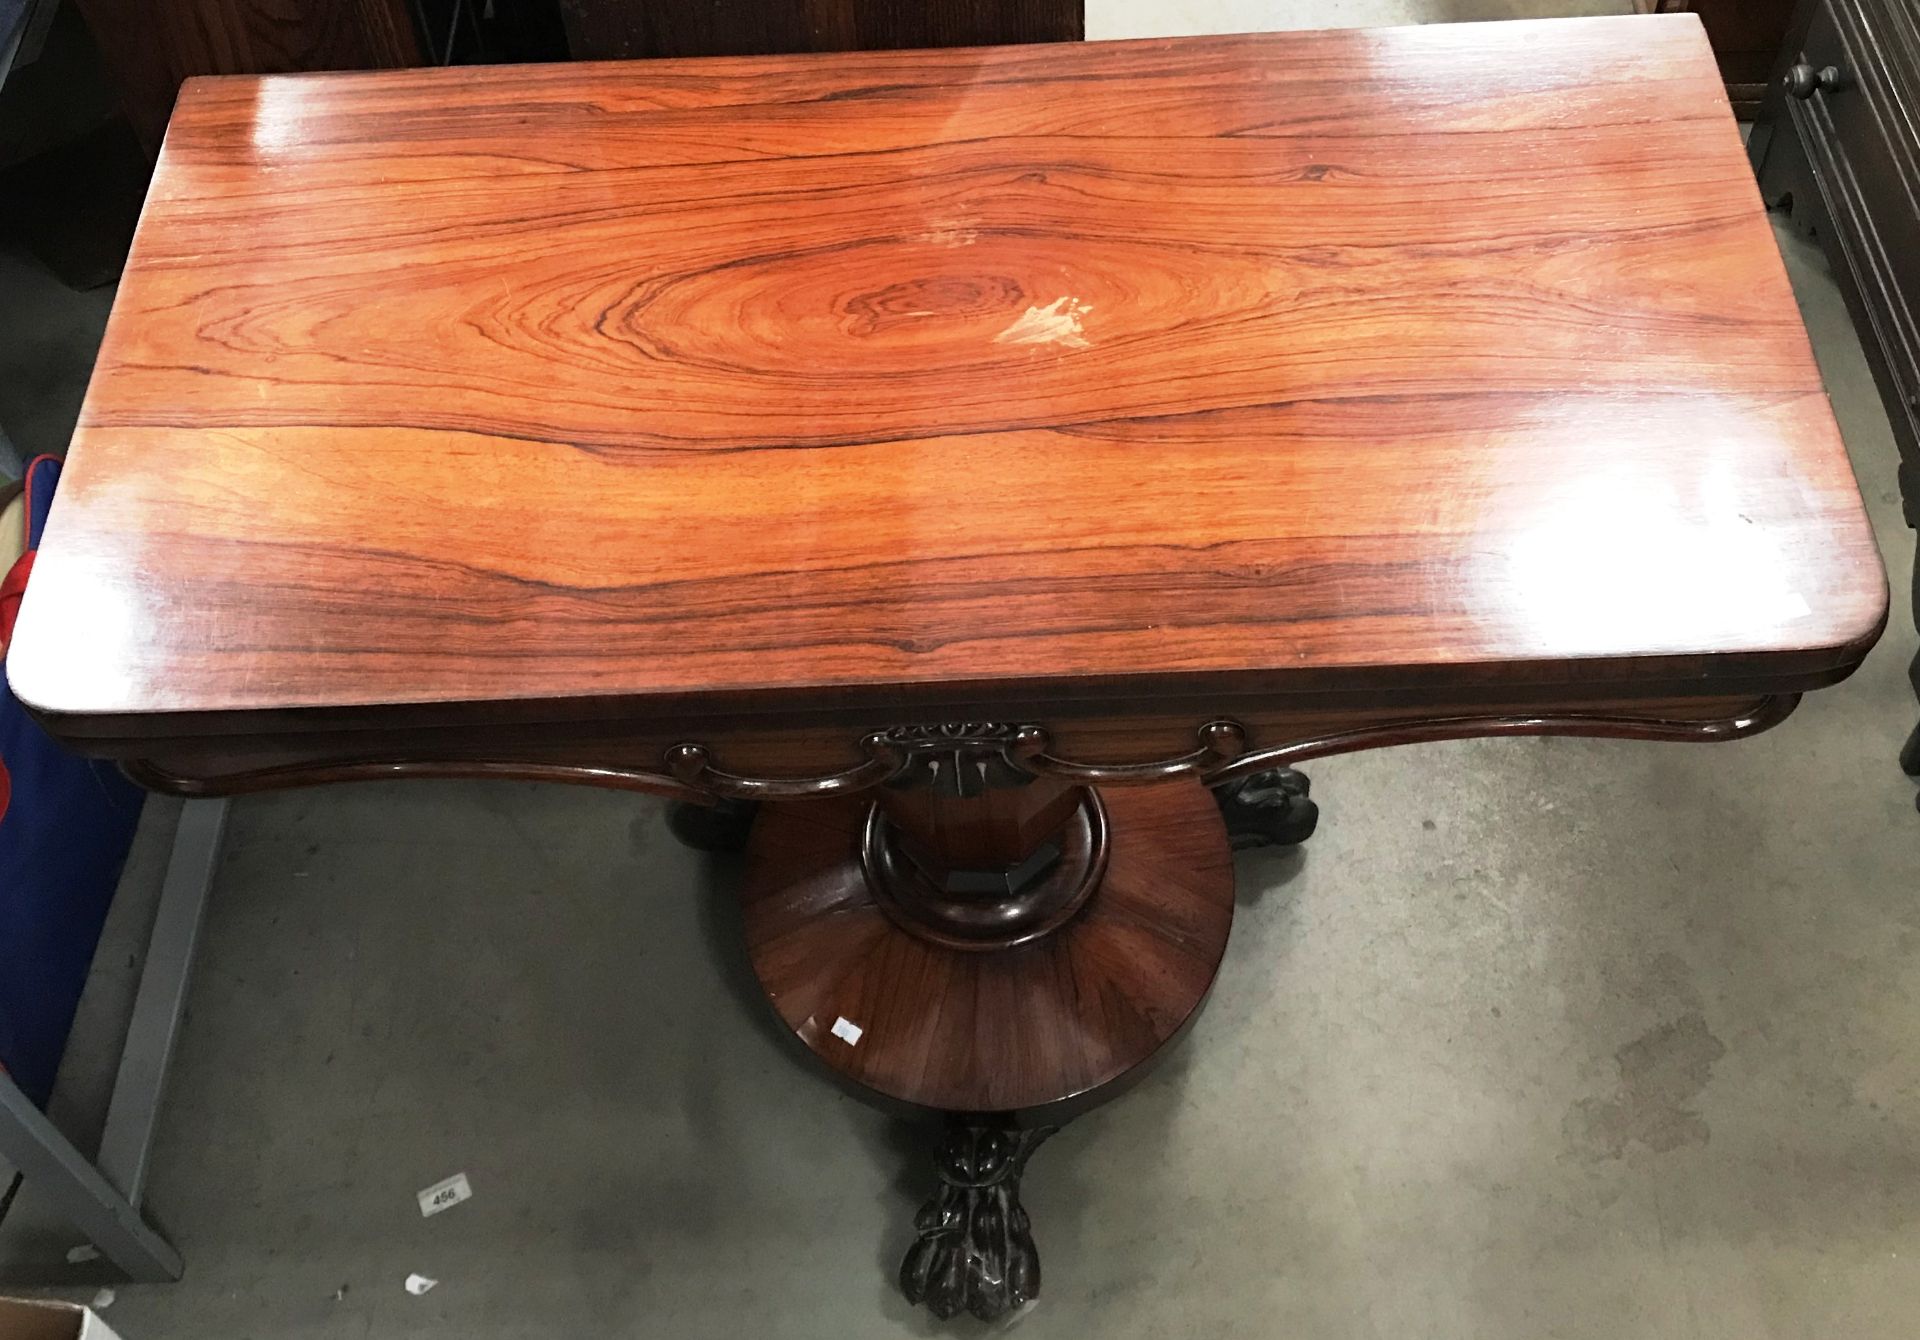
[(46, 1319)]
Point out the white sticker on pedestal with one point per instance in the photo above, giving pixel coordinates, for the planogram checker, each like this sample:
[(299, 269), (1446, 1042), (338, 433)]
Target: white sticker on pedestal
[(847, 1031)]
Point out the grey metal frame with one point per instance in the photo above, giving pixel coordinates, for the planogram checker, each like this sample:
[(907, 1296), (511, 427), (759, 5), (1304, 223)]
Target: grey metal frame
[(102, 1199)]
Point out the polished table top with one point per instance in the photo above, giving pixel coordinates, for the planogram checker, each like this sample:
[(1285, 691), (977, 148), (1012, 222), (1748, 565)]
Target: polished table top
[(1412, 358)]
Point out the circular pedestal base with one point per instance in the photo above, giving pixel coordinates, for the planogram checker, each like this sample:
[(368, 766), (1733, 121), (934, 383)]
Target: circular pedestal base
[(961, 1030)]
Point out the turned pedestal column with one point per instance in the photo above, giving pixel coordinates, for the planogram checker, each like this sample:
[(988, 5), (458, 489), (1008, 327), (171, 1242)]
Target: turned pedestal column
[(1003, 950)]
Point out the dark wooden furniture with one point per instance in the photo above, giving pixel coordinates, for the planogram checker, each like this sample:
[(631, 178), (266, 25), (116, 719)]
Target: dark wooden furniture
[(1837, 147), (1746, 37), (150, 49), (619, 29), (959, 460)]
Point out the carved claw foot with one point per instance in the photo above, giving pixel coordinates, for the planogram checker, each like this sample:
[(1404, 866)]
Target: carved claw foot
[(721, 827), (1268, 809), (975, 1248)]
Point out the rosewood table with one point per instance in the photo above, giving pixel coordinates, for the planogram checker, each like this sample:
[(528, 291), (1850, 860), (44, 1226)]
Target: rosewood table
[(978, 474)]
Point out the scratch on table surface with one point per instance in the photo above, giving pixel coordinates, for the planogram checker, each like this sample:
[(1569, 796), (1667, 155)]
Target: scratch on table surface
[(1056, 323), (951, 235)]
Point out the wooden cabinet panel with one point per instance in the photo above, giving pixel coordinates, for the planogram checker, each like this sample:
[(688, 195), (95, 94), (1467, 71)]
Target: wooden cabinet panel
[(617, 29), (1837, 146), (150, 50), (1746, 36)]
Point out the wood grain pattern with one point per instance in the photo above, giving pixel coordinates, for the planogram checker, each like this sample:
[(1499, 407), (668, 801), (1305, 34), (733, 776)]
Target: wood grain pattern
[(961, 1031), (622, 29), (1417, 361)]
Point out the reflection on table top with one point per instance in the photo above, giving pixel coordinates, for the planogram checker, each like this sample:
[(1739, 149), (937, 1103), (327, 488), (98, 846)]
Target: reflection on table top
[(1432, 355)]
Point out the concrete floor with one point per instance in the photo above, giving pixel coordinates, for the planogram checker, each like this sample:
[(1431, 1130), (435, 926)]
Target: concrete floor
[(1536, 1038)]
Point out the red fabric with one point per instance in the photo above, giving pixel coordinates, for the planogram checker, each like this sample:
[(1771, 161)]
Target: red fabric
[(12, 587)]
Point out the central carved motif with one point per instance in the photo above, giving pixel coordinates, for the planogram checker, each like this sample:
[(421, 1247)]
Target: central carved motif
[(963, 758), (958, 759)]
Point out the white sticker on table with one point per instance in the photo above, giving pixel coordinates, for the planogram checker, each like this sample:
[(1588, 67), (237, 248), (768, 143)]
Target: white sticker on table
[(847, 1031)]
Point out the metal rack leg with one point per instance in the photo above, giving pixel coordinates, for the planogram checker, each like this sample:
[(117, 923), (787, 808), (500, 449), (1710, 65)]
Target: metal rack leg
[(132, 1113), (56, 1169), (103, 1201)]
